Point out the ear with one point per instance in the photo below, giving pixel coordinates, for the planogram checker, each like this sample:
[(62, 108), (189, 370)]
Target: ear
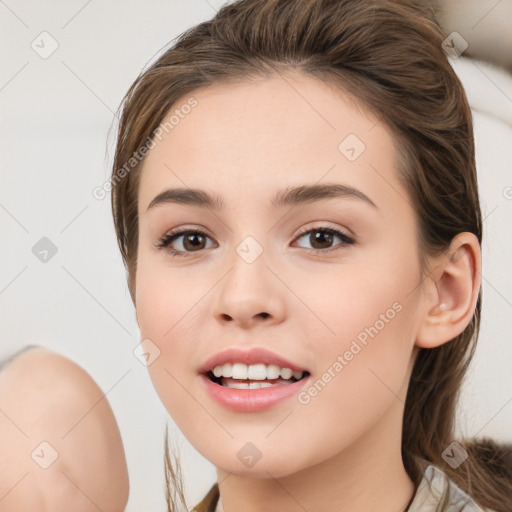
[(451, 292)]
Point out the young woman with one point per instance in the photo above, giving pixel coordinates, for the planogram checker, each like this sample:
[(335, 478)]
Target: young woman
[(295, 198)]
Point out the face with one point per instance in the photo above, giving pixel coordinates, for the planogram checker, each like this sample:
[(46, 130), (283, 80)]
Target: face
[(329, 284)]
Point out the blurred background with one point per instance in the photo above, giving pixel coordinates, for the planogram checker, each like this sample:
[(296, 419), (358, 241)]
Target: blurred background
[(65, 68)]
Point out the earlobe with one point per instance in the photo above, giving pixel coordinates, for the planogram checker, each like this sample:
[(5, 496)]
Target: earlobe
[(455, 287)]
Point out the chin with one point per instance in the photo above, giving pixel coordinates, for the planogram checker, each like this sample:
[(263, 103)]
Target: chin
[(277, 466)]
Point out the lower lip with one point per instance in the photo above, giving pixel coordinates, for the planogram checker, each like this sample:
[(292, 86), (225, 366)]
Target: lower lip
[(252, 400)]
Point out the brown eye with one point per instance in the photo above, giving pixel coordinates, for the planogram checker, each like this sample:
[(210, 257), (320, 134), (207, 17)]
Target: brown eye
[(193, 241), (321, 239), (183, 242)]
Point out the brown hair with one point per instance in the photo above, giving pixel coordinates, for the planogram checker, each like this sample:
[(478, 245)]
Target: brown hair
[(388, 54)]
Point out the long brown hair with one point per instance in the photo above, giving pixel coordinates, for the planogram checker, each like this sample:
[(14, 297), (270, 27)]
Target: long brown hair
[(389, 55)]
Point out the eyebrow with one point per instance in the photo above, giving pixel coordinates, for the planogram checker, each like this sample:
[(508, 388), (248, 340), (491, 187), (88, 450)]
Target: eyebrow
[(290, 196)]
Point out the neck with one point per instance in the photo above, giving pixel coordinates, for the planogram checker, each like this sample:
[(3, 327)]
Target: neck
[(367, 475)]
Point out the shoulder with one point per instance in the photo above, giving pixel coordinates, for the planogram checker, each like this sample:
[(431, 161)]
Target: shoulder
[(60, 441)]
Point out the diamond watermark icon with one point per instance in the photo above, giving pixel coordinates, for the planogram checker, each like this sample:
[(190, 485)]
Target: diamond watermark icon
[(249, 454), (454, 455), (146, 352), (44, 455), (44, 250), (44, 45), (351, 147), (249, 249), (454, 45)]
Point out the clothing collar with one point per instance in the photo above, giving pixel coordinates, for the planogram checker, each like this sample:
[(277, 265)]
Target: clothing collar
[(435, 493)]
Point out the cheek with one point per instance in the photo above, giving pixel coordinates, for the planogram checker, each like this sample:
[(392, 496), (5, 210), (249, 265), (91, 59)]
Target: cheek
[(361, 337), (165, 297), (360, 302), (169, 311)]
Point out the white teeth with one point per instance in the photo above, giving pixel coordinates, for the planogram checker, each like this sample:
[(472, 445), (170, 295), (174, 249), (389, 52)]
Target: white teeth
[(227, 370), (223, 370), (249, 385), (257, 385), (239, 371), (255, 372), (286, 373), (273, 371)]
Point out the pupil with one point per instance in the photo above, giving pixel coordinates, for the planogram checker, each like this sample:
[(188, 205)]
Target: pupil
[(190, 240), (319, 235)]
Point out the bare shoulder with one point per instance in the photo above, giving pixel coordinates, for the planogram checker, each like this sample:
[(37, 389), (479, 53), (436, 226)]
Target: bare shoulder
[(60, 447)]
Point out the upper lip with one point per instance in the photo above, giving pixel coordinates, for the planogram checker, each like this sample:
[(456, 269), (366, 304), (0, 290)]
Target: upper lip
[(248, 357)]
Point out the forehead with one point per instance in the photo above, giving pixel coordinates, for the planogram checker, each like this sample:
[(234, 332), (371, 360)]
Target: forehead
[(245, 140)]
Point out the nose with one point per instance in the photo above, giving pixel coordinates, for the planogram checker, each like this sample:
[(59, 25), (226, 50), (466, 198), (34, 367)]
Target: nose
[(250, 294)]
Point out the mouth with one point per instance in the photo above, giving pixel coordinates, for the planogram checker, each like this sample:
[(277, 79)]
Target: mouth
[(257, 376)]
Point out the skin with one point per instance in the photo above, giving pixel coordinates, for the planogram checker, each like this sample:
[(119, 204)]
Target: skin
[(246, 141), (45, 397)]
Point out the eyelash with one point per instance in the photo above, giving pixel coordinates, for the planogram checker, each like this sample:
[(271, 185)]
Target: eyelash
[(169, 237)]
